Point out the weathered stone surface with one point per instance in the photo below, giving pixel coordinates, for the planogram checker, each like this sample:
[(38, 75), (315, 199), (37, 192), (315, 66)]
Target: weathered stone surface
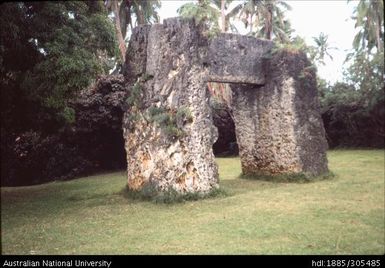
[(236, 58), (169, 131), (135, 66), (278, 126), (168, 126)]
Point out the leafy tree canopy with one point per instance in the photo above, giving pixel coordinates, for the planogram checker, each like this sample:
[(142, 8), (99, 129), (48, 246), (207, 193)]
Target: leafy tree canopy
[(51, 50)]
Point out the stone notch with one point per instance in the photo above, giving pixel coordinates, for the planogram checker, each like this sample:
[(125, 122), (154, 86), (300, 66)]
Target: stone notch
[(168, 127), (278, 126), (236, 58)]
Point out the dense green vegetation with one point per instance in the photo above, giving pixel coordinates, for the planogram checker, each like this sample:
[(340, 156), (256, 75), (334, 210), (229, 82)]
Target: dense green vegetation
[(342, 215), (53, 128), (51, 51), (354, 109)]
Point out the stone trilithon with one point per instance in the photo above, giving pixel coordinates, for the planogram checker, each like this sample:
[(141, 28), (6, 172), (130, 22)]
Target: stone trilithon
[(168, 126)]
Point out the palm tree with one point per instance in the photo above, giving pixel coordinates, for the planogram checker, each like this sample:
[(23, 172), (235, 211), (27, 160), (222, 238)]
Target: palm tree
[(267, 16), (145, 11), (113, 6), (223, 15), (369, 17), (203, 12), (210, 11), (322, 48), (226, 14), (247, 13), (275, 25), (124, 10)]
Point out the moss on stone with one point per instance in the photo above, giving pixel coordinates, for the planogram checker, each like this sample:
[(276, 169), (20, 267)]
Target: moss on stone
[(135, 93), (184, 114), (134, 99), (170, 120)]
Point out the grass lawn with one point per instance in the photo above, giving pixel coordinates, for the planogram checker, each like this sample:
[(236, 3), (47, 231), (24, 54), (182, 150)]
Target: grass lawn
[(342, 215)]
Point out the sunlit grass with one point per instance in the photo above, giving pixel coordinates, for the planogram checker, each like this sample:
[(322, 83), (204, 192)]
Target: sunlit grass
[(342, 215)]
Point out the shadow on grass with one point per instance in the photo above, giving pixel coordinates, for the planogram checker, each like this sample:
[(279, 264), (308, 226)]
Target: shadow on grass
[(288, 178), (170, 196), (228, 188)]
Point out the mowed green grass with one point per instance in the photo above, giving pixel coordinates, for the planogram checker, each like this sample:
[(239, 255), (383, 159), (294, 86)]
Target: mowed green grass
[(342, 215)]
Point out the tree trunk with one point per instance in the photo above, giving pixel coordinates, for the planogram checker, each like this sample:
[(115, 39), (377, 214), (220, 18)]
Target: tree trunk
[(378, 36), (376, 6), (269, 23), (253, 10), (122, 44), (140, 18), (227, 22), (223, 16), (223, 30), (251, 23)]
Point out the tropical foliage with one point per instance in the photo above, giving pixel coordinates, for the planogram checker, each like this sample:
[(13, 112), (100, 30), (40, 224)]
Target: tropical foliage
[(369, 17), (50, 51), (132, 13), (322, 49), (354, 110), (265, 18), (203, 13)]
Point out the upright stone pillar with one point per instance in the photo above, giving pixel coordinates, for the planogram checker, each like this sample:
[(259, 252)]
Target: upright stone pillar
[(168, 126), (278, 125)]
